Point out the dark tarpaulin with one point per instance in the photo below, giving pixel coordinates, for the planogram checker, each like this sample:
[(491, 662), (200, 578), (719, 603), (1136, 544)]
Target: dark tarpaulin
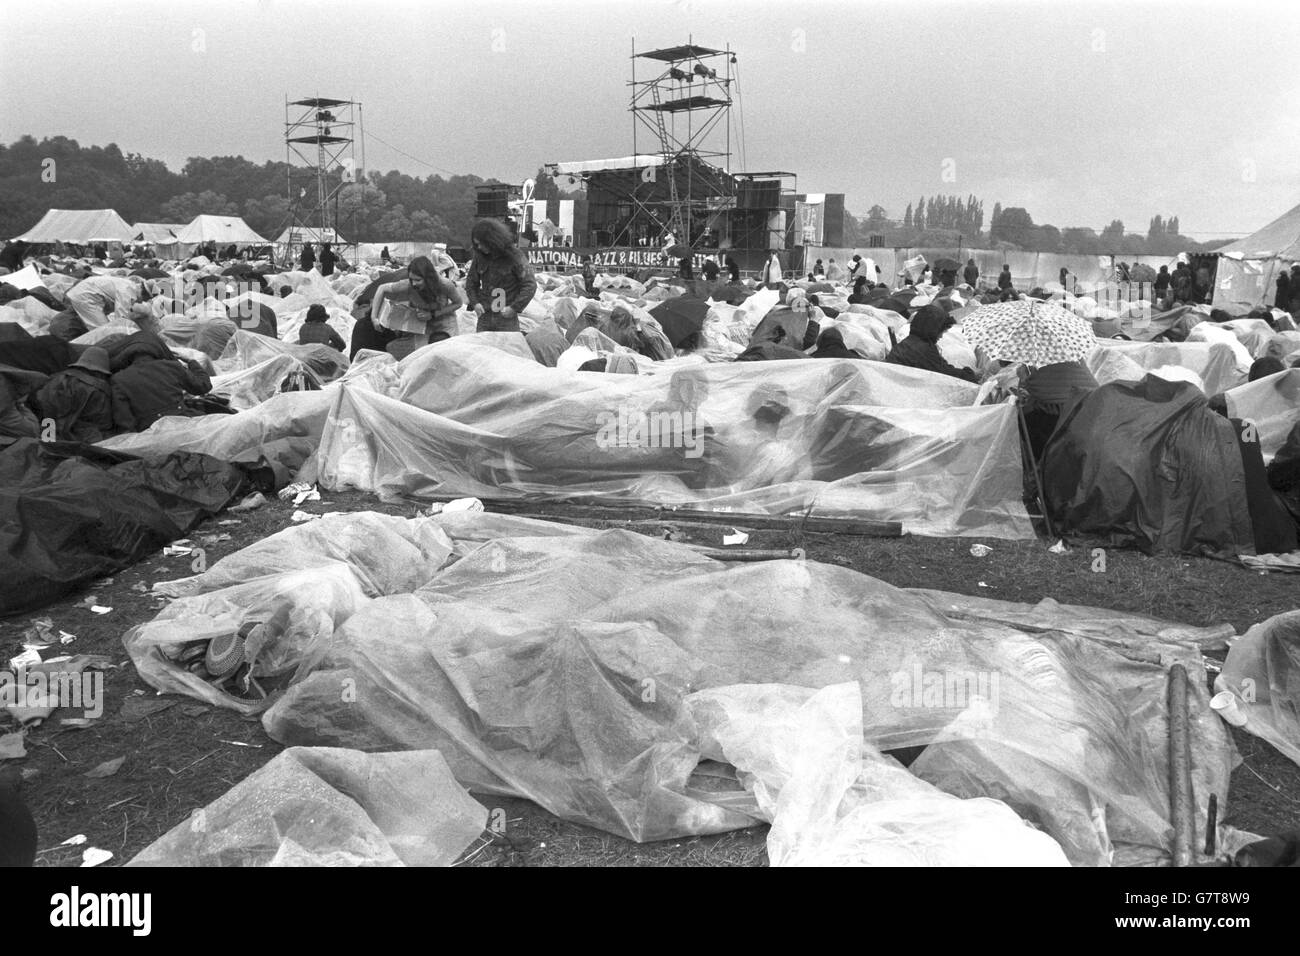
[(1149, 464), (70, 512), (680, 318)]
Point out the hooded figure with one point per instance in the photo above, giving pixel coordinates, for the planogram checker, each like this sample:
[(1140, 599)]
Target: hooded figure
[(830, 344), (315, 331), (971, 273), (17, 420), (308, 257), (500, 283), (80, 399), (1283, 298), (921, 349), (149, 388)]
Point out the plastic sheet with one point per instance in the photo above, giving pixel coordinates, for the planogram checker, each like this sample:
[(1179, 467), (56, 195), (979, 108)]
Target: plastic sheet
[(70, 513), (537, 671), (320, 806), (285, 429), (1263, 671), (843, 437), (1149, 464), (835, 801), (1272, 403), (1216, 364)]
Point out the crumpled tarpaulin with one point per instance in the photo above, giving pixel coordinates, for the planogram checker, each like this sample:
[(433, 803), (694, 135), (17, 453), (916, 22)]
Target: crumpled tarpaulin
[(556, 667), (844, 438), (70, 513), (1263, 670), (1115, 360), (1149, 464), (835, 800), (320, 806), (1272, 403), (285, 430)]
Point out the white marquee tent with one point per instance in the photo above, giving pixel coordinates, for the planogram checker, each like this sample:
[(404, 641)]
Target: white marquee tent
[(79, 226)]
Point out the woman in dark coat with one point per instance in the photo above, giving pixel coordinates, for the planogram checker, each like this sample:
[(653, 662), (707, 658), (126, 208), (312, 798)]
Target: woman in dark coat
[(921, 350), (1283, 298)]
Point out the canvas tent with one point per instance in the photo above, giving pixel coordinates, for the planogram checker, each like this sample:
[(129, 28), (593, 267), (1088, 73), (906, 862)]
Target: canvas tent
[(79, 226), (222, 230), (156, 232), (297, 235), (1247, 268)]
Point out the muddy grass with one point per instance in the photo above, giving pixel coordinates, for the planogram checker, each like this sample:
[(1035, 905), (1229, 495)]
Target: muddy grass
[(181, 754)]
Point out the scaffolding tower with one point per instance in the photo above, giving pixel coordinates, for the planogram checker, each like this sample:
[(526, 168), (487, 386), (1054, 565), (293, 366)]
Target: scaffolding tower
[(320, 135), (685, 106)]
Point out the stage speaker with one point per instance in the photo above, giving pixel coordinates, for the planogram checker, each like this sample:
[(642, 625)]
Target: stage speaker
[(760, 194)]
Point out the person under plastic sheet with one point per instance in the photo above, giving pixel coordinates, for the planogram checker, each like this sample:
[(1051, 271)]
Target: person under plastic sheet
[(830, 344), (17, 420), (79, 400), (921, 350), (546, 344), (771, 448), (1049, 389), (500, 283), (150, 388)]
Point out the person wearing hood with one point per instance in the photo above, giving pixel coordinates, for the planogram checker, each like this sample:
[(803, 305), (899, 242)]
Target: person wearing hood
[(308, 257), (150, 388), (971, 273), (921, 347), (1049, 391), (1005, 285), (17, 420), (316, 331), (11, 257), (1282, 300), (733, 269), (500, 283), (830, 344), (1161, 288), (80, 399), (860, 295)]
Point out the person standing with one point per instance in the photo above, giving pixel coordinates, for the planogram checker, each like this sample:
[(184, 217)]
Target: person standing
[(1161, 288), (589, 276), (500, 282), (971, 273), (308, 257), (733, 269), (327, 260), (1005, 285), (834, 272), (772, 271), (1283, 298)]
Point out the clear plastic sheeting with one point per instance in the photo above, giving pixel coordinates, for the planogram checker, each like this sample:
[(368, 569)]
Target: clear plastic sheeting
[(285, 430), (834, 800), (555, 668), (307, 580), (1214, 363), (1272, 403), (248, 349), (320, 806), (1263, 673), (846, 438)]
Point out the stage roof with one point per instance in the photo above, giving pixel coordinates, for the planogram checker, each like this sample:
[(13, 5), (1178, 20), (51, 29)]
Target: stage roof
[(640, 161), (669, 54)]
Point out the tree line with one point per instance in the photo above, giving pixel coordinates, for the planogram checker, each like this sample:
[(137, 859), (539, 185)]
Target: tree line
[(59, 173), (939, 221)]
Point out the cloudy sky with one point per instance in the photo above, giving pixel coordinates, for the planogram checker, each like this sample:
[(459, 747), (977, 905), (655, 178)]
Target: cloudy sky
[(1079, 111)]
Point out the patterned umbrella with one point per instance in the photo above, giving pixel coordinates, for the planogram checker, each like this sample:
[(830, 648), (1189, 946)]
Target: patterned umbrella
[(1036, 333)]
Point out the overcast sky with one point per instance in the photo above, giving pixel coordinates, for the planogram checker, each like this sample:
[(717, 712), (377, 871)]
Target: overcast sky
[(1079, 111)]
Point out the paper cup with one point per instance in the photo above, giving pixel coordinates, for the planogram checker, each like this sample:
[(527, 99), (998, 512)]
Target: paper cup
[(1224, 704)]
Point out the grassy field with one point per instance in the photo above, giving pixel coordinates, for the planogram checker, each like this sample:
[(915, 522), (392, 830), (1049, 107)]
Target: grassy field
[(181, 754)]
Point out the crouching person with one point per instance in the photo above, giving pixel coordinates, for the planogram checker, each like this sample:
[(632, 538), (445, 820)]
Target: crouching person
[(151, 388), (79, 400)]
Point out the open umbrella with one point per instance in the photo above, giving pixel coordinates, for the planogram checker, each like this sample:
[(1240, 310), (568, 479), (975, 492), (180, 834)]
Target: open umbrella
[(149, 273), (680, 318), (1034, 332), (946, 265)]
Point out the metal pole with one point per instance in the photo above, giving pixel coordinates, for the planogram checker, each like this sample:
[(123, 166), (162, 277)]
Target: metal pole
[(1181, 813)]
